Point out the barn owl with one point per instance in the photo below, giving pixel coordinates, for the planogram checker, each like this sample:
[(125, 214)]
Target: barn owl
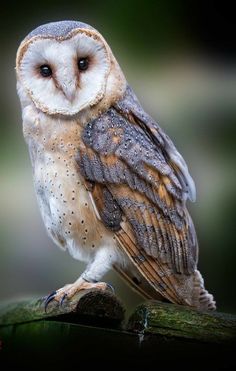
[(111, 186)]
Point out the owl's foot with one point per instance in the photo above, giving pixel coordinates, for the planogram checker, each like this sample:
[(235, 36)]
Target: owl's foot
[(68, 291)]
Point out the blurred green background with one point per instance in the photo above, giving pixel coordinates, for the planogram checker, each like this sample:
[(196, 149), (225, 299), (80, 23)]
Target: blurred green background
[(180, 60)]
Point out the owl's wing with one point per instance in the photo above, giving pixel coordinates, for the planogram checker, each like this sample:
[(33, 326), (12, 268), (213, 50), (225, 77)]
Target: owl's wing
[(139, 183), (130, 107)]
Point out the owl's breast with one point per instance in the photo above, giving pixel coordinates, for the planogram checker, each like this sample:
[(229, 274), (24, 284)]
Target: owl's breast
[(67, 210), (64, 201)]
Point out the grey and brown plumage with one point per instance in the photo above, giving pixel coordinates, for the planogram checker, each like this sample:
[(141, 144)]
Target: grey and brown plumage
[(111, 186)]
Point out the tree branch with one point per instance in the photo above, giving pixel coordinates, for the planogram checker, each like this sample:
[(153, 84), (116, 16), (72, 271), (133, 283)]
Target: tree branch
[(88, 306), (157, 318)]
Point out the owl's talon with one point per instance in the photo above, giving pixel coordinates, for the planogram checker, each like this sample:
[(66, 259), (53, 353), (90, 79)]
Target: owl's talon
[(111, 287), (49, 298), (53, 293), (62, 299)]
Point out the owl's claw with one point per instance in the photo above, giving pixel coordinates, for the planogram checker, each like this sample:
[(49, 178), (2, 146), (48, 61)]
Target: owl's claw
[(48, 299), (62, 299), (68, 291), (111, 287)]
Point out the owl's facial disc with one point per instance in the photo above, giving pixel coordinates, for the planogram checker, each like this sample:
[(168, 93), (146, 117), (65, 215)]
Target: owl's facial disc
[(66, 75)]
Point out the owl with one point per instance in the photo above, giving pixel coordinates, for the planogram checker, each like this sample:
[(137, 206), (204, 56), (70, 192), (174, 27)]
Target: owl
[(111, 186)]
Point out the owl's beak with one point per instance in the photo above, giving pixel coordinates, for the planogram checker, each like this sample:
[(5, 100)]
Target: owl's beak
[(68, 88), (65, 79), (69, 92)]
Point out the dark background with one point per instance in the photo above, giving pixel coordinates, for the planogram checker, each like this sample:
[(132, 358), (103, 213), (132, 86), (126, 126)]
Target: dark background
[(180, 59)]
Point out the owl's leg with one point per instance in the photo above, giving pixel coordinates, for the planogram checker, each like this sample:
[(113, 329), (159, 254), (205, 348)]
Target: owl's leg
[(101, 264)]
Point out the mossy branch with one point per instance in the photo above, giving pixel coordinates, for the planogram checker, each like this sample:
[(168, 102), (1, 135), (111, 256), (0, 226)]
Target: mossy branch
[(177, 321), (92, 306), (103, 309)]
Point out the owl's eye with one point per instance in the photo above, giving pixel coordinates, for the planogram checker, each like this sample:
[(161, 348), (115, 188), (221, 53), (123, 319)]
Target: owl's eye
[(83, 64), (45, 70)]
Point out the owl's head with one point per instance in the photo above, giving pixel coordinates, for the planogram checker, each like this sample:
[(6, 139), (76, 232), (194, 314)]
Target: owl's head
[(66, 67)]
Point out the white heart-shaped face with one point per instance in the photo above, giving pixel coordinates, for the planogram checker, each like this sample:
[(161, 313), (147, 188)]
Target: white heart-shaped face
[(69, 88)]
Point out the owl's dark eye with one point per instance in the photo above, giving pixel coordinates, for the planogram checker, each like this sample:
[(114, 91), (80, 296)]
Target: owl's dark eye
[(83, 64), (45, 70)]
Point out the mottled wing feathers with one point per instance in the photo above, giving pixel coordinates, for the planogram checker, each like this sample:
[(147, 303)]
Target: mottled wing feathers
[(118, 155), (124, 154), (177, 288), (106, 206), (130, 107), (160, 257)]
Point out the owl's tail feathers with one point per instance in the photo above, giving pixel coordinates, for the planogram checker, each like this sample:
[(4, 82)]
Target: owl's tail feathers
[(201, 297)]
